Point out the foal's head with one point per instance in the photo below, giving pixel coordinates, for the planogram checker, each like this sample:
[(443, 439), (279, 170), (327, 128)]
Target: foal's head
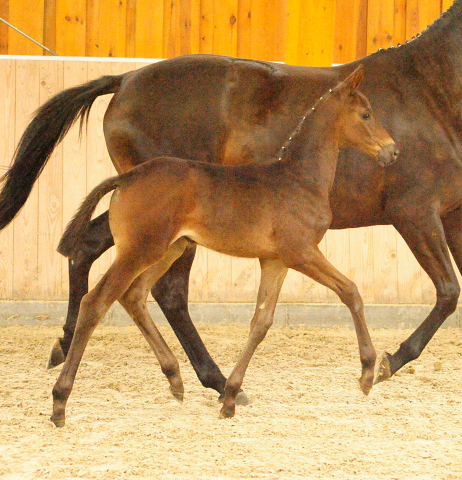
[(359, 127)]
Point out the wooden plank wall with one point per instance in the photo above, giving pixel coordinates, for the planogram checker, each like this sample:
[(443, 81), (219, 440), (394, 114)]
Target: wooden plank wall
[(376, 258), (304, 32)]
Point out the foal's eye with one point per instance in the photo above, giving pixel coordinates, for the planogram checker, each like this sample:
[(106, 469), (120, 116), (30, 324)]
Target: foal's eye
[(366, 116)]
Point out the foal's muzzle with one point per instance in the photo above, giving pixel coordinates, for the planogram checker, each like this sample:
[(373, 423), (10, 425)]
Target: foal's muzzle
[(388, 154)]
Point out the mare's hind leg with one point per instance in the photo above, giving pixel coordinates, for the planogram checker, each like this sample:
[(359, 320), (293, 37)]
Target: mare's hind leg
[(425, 237), (93, 308), (317, 267), (134, 302), (171, 294), (273, 273), (97, 240)]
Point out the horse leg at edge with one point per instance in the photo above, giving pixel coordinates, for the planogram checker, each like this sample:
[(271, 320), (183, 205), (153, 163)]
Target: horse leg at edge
[(273, 273), (171, 294), (134, 302), (94, 306), (96, 242), (428, 244), (317, 267)]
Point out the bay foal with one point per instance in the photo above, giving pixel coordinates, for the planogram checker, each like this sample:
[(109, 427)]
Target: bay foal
[(277, 211)]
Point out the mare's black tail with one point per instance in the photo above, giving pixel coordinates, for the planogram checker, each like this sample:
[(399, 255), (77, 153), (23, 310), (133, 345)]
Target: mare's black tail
[(51, 123)]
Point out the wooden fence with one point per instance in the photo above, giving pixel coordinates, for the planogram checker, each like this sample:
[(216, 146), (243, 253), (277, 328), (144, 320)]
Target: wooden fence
[(376, 258), (303, 32)]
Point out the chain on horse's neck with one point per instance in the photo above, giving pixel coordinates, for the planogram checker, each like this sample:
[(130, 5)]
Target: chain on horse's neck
[(297, 129)]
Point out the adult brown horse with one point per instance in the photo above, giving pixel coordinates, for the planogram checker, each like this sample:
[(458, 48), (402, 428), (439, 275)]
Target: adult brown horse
[(277, 211), (226, 110)]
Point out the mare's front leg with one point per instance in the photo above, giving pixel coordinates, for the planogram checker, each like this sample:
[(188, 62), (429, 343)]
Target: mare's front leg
[(134, 302), (93, 308), (273, 273), (97, 240), (424, 234), (313, 264)]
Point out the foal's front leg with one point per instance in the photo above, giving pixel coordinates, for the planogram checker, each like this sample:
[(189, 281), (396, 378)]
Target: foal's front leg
[(313, 264), (273, 273)]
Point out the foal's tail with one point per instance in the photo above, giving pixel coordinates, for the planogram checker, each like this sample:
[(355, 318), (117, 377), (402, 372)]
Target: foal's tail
[(80, 224), (51, 123)]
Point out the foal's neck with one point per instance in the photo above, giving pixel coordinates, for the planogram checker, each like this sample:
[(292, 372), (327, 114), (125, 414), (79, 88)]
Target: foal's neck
[(312, 150)]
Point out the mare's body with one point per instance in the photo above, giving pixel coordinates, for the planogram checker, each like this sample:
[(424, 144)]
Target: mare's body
[(225, 110)]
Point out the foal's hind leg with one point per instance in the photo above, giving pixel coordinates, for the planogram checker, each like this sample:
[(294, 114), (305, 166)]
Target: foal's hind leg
[(93, 308), (134, 302), (273, 273), (316, 266)]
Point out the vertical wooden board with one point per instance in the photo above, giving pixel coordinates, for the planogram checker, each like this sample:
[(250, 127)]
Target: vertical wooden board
[(244, 28), (385, 264), (225, 27), (380, 25), (112, 18), (316, 36), (362, 261), (189, 26), (219, 277), (206, 26), (92, 48), (130, 29), (26, 223), (50, 222), (74, 159), (27, 15), (171, 28), (198, 286), (428, 289), (293, 32), (149, 37), (399, 34), (7, 147), (338, 254), (49, 26), (4, 13), (420, 14), (98, 161), (269, 24), (409, 274), (348, 31), (243, 279), (71, 23)]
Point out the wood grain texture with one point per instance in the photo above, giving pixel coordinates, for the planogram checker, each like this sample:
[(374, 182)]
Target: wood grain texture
[(71, 22)]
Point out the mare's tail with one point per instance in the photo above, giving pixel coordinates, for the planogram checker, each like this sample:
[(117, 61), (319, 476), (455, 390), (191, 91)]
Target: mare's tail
[(51, 123), (80, 224)]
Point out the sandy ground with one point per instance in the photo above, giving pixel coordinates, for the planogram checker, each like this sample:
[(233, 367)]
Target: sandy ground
[(308, 419)]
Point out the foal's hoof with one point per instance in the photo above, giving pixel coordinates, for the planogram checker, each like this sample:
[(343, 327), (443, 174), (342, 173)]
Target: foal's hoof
[(227, 412), (56, 355), (179, 396), (58, 421), (241, 399), (383, 371)]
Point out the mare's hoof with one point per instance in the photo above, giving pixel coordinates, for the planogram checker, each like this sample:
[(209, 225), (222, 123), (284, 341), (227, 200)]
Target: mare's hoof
[(383, 371), (241, 399), (179, 396), (59, 422), (56, 355)]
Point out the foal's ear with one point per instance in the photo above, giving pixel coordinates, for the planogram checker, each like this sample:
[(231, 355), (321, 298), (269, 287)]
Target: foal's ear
[(354, 79)]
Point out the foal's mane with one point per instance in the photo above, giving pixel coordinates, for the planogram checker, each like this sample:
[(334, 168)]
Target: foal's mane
[(308, 113)]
